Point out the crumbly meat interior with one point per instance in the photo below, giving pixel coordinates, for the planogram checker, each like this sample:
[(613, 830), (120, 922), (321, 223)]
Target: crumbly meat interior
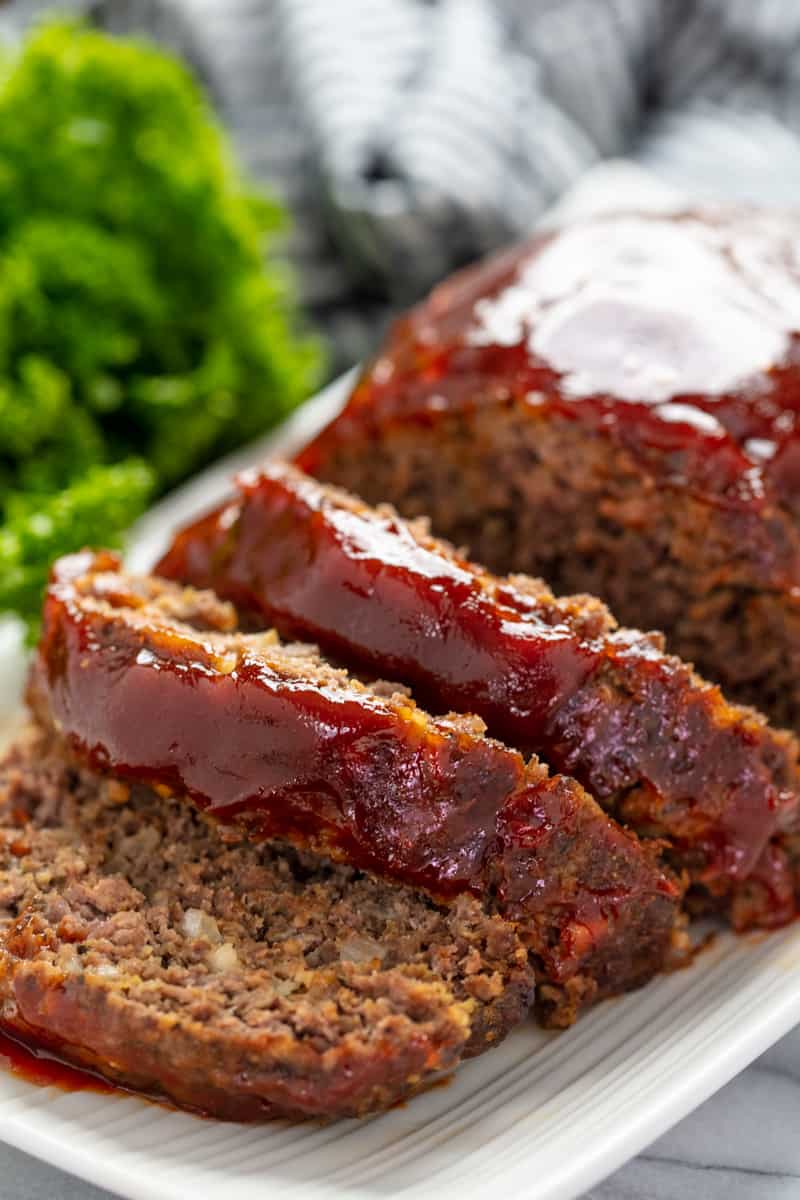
[(259, 954)]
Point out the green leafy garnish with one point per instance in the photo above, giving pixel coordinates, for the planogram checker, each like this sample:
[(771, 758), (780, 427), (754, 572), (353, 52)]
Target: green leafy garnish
[(142, 333)]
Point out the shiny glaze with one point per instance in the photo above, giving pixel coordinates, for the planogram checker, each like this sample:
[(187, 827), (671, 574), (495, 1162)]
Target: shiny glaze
[(360, 582), (675, 335), (38, 1065), (338, 768), (27, 1055)]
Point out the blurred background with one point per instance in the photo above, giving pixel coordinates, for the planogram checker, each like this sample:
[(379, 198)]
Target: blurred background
[(198, 228)]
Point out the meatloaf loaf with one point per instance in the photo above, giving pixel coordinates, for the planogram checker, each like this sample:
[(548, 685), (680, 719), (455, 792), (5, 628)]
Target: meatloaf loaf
[(653, 742), (243, 981), (152, 682), (614, 406)]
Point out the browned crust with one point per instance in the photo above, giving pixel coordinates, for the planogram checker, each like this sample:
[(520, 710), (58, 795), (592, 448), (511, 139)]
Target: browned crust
[(85, 1025)]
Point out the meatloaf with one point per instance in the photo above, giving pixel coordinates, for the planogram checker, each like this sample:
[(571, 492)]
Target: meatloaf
[(152, 681), (614, 406), (654, 743), (243, 981)]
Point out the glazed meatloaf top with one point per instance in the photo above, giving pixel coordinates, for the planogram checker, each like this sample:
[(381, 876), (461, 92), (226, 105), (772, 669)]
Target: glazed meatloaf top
[(243, 981), (637, 726), (675, 335), (151, 681)]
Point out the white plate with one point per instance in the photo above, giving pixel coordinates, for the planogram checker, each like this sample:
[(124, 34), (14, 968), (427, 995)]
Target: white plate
[(544, 1115)]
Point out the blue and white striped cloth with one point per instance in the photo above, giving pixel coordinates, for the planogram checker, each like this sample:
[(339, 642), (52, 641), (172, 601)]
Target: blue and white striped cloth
[(410, 136)]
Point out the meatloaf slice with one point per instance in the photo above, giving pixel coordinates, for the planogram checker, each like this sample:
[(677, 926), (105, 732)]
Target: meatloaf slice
[(151, 681), (244, 981), (657, 745), (615, 406)]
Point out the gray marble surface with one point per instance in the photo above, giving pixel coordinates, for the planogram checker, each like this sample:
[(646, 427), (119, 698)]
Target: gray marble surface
[(742, 1144)]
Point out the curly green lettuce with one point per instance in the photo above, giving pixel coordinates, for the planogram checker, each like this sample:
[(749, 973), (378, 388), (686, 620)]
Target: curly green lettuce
[(144, 326)]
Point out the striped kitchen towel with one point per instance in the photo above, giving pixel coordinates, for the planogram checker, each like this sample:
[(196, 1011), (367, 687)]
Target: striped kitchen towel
[(410, 136)]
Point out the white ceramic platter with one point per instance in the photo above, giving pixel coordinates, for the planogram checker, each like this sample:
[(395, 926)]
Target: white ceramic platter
[(544, 1115)]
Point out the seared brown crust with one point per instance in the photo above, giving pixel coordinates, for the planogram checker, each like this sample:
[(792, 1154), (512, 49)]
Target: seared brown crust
[(656, 744), (275, 740), (246, 982)]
